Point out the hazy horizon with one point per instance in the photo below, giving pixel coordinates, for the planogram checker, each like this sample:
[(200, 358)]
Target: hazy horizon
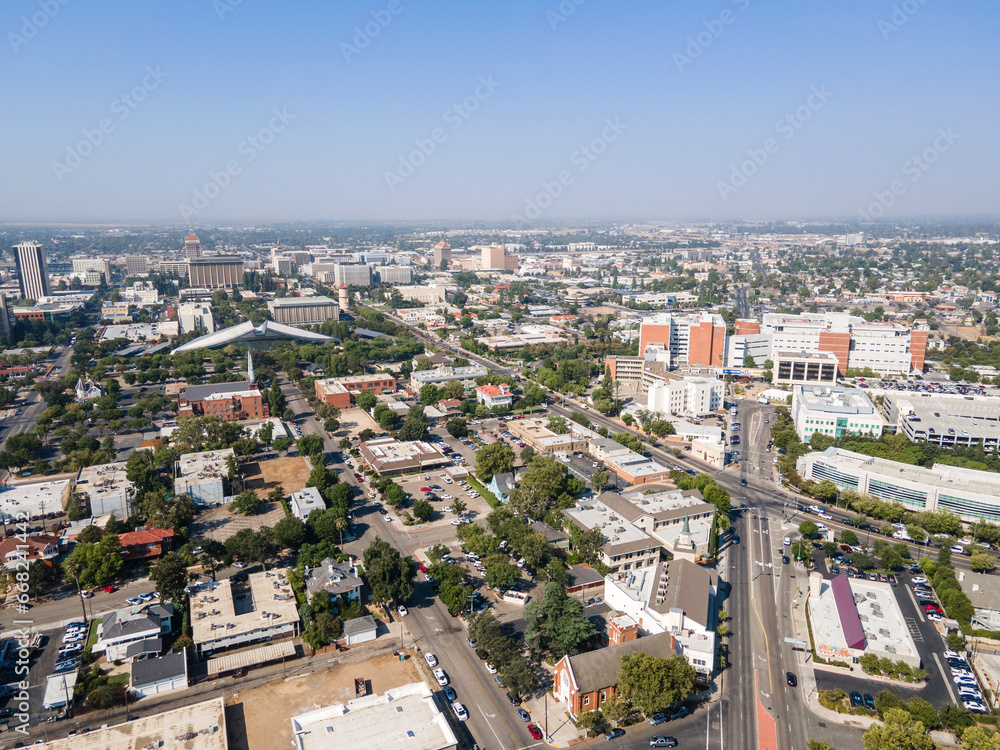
[(224, 111)]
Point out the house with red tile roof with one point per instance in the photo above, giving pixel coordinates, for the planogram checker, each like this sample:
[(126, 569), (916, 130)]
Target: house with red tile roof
[(494, 395), (146, 544), (14, 550)]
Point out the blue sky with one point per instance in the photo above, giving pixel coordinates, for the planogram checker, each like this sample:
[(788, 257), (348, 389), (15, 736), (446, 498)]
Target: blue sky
[(718, 110)]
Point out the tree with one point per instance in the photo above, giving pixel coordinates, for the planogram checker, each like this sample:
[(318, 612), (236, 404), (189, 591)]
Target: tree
[(310, 445), (214, 556), (170, 576), (90, 535), (453, 389), (846, 537), (389, 575), (430, 394), (558, 425), (982, 562), (748, 361), (599, 479), (422, 509), (527, 453), (653, 684), (415, 426), (457, 427), (458, 506), (96, 564), (539, 487), (265, 433), (289, 533), (500, 573), (246, 503), (366, 400), (898, 732), (808, 529), (588, 544), (518, 677), (276, 401), (492, 459), (251, 546), (557, 622)]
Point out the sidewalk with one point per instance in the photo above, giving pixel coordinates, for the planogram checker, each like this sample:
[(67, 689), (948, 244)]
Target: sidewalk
[(549, 714)]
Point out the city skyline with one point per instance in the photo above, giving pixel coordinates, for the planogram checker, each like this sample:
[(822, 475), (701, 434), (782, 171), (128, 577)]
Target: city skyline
[(206, 113)]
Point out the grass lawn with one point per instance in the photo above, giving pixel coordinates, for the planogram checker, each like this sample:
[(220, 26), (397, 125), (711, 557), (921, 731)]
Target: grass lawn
[(92, 638)]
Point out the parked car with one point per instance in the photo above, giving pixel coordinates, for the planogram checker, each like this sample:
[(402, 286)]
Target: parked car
[(662, 742), (856, 700), (657, 718), (403, 612), (441, 676), (869, 702), (450, 694), (460, 712), (614, 733), (535, 732), (523, 715), (431, 659)]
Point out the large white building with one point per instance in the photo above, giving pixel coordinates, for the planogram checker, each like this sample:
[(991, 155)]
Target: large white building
[(107, 489), (440, 375), (195, 316), (887, 348), (945, 419), (688, 396), (676, 597), (429, 295), (834, 411), (973, 495)]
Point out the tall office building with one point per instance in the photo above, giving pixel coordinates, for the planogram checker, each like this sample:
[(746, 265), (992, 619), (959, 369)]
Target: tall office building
[(32, 270), (353, 274), (217, 272), (698, 339), (442, 252), (136, 265), (496, 258), (192, 246)]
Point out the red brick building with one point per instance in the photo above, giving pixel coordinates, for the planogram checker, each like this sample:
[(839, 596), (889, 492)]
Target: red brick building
[(587, 681), (230, 401), (146, 544), (341, 392)]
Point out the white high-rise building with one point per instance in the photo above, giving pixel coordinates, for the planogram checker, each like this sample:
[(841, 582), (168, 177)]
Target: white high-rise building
[(685, 396), (194, 316), (32, 270)]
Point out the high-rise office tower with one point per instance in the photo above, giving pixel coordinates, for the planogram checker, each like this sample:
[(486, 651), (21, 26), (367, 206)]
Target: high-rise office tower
[(32, 270), (192, 246)]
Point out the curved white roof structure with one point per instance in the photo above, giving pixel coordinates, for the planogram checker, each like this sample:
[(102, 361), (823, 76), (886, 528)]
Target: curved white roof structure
[(246, 332)]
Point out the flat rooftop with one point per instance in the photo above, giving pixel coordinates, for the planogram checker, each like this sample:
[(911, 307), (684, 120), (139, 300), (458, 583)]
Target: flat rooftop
[(299, 301), (979, 415), (820, 356), (267, 601), (201, 726), (666, 501), (405, 718), (105, 479), (618, 531), (30, 499), (636, 465), (205, 465), (833, 399)]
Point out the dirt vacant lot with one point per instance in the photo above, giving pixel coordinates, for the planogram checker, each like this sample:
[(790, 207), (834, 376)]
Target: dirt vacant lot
[(266, 712), (263, 476)]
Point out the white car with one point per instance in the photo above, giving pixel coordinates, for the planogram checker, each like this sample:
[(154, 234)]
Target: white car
[(387, 518), (490, 668), (920, 579), (447, 497), (447, 480), (403, 612), (432, 660), (460, 713), (976, 707), (457, 522), (441, 676)]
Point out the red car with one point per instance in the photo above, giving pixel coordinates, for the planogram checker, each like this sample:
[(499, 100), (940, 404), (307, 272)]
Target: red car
[(535, 732), (108, 589), (423, 568), (426, 489)]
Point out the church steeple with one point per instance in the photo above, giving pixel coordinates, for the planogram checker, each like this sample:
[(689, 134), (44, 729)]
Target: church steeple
[(250, 376)]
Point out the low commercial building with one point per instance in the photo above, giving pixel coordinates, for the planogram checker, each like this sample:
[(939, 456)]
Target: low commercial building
[(340, 392), (388, 456), (226, 614), (29, 499), (853, 617), (834, 411), (124, 627), (303, 311), (491, 396), (202, 475), (107, 489), (805, 368), (442, 374), (626, 547), (201, 726), (136, 332), (160, 674), (231, 402), (336, 579), (535, 432), (971, 494), (404, 717), (983, 590), (635, 468), (586, 682), (305, 501), (676, 597)]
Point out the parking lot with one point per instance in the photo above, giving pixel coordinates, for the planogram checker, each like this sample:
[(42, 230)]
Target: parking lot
[(922, 386)]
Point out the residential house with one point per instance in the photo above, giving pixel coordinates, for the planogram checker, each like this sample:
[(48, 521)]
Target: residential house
[(305, 501), (161, 674), (495, 396), (360, 630), (337, 579), (555, 537), (501, 485), (146, 544), (124, 627), (15, 551)]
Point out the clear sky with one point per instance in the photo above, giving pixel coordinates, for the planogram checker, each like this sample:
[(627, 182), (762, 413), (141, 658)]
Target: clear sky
[(584, 109)]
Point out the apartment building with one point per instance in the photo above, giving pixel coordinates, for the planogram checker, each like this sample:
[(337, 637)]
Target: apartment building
[(685, 395), (202, 475), (230, 401), (440, 375)]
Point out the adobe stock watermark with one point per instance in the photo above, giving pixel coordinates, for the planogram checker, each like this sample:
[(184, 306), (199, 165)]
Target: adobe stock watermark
[(714, 28), (914, 168), (562, 12), (454, 117), (581, 159), (787, 126), (223, 8), (31, 25), (121, 108), (364, 35), (900, 16), (249, 149), (27, 640)]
